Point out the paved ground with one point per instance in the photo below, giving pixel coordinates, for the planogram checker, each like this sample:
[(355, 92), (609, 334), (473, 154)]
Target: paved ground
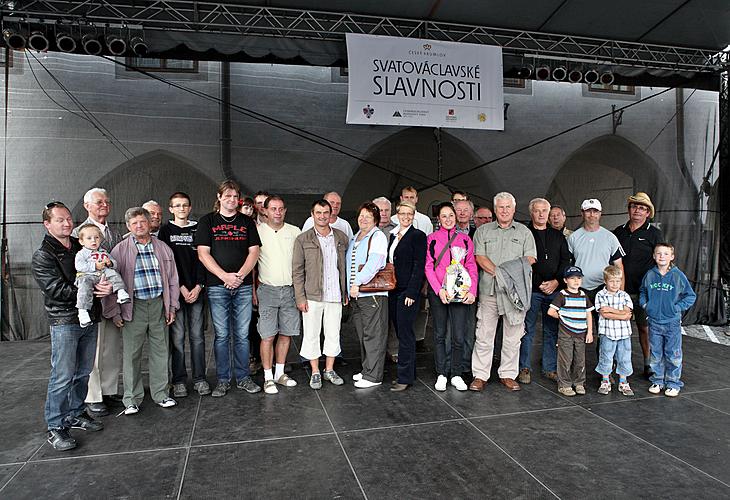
[(341, 442)]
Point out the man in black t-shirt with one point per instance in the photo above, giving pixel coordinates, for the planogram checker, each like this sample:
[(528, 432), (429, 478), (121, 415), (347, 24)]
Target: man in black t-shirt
[(179, 234), (638, 237), (228, 246)]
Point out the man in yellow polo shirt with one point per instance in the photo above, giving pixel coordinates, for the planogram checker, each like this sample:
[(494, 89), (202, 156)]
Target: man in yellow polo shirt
[(279, 318)]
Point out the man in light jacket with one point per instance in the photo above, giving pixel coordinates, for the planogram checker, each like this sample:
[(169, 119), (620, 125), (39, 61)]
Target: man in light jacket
[(147, 267)]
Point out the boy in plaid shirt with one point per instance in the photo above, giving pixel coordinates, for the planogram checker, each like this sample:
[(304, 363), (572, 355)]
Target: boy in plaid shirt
[(614, 309)]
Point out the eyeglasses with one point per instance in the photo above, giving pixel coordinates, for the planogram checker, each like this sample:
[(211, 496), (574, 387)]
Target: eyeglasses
[(180, 205)]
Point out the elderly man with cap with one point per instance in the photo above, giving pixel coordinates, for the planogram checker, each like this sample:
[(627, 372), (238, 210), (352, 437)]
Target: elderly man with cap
[(638, 237), (594, 247)]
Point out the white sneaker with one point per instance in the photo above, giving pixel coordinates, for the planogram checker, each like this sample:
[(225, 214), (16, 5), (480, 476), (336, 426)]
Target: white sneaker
[(356, 377), (84, 318), (655, 388), (459, 383), (672, 392), (270, 387), (441, 383), (167, 403), (122, 296), (364, 384)]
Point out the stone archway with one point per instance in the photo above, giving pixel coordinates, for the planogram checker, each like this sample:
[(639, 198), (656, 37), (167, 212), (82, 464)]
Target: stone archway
[(412, 156), (153, 176), (609, 168)]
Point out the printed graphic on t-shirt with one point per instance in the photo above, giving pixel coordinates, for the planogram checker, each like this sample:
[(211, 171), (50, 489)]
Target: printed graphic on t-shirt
[(229, 232)]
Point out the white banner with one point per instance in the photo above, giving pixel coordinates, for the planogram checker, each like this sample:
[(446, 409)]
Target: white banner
[(424, 83)]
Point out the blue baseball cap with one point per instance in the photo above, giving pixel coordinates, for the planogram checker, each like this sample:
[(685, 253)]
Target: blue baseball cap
[(573, 271)]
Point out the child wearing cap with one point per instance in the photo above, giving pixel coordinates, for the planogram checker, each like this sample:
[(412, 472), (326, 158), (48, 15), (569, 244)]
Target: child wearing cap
[(664, 294), (614, 307), (573, 310)]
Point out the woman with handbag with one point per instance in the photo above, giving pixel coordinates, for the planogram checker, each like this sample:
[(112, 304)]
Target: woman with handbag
[(447, 307), (407, 252), (366, 256)]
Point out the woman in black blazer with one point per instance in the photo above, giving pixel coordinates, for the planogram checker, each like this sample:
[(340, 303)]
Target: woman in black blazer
[(407, 252)]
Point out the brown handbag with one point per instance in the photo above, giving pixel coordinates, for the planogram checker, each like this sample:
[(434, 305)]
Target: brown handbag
[(383, 281)]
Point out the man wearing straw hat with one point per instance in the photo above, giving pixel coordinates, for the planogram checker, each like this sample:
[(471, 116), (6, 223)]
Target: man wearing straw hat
[(638, 238)]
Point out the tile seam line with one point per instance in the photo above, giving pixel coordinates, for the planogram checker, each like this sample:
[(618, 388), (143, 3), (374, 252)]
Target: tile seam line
[(21, 467), (706, 405), (469, 422), (652, 445), (190, 443)]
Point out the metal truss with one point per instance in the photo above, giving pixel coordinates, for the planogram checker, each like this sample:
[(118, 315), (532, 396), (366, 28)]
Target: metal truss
[(246, 20)]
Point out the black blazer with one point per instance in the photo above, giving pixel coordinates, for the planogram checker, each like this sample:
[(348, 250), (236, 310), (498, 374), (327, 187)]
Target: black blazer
[(409, 259)]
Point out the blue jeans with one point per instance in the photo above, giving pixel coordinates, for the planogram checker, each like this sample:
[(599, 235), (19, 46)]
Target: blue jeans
[(231, 309), (455, 316), (665, 344), (72, 357), (622, 350), (540, 302), (190, 318)]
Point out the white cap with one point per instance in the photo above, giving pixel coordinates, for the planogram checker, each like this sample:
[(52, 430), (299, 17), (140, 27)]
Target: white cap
[(591, 203)]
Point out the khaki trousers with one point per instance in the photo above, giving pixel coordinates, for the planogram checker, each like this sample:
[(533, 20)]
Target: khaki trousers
[(481, 358)]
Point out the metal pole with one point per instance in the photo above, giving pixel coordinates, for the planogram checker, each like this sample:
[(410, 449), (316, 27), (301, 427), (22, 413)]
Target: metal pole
[(225, 117)]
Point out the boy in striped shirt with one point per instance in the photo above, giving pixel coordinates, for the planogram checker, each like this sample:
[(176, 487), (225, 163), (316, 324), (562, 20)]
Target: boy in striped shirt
[(572, 308)]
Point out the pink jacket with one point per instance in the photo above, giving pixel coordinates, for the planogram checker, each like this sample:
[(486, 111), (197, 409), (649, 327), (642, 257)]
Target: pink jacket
[(125, 253), (434, 244)]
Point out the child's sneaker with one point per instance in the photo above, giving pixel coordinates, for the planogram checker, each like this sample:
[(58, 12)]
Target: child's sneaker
[(84, 319), (579, 389), (625, 389), (566, 391), (440, 383), (672, 392), (605, 387), (122, 296), (655, 388)]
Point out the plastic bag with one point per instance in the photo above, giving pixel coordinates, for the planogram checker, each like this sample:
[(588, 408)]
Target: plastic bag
[(457, 281)]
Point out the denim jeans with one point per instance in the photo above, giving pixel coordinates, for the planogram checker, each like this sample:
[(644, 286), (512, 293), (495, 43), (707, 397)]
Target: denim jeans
[(231, 309), (540, 302), (665, 343), (622, 350), (190, 318), (72, 356), (454, 315)]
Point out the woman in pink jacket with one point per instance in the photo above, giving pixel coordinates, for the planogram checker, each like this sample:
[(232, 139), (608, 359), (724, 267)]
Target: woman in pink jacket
[(443, 309)]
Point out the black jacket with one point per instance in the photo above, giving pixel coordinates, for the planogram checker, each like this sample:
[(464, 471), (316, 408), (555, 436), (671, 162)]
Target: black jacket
[(553, 256), (409, 259), (55, 272)]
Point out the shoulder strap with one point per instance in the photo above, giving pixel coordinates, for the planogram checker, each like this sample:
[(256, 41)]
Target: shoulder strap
[(443, 250)]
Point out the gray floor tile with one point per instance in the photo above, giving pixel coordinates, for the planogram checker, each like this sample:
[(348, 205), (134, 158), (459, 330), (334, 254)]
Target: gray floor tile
[(310, 467), (22, 407), (137, 475), (580, 456), (449, 460), (719, 399), (694, 433)]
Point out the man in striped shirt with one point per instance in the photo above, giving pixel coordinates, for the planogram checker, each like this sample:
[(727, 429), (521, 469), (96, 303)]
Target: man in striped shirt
[(573, 310)]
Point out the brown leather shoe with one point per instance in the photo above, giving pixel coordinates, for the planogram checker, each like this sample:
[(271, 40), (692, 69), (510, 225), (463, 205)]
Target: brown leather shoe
[(477, 385), (510, 384)]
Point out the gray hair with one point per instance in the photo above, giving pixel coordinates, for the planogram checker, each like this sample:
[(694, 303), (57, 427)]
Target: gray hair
[(535, 201), (504, 195), (89, 196), (151, 202), (383, 199), (471, 203), (133, 212)]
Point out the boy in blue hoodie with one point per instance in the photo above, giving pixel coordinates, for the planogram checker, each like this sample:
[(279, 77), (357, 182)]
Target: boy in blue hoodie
[(664, 294)]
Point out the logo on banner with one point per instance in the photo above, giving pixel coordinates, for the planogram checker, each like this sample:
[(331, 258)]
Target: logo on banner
[(451, 112), (368, 111), (397, 114), (482, 117), (426, 46)]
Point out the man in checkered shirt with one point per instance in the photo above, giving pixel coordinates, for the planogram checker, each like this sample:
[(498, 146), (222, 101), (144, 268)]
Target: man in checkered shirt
[(614, 309)]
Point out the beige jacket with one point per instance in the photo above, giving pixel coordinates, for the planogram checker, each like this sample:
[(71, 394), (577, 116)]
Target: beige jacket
[(307, 264)]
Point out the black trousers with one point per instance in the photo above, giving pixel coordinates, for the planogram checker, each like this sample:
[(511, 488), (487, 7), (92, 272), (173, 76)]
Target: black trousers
[(403, 318)]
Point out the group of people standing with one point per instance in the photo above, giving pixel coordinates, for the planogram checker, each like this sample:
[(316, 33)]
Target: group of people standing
[(261, 274)]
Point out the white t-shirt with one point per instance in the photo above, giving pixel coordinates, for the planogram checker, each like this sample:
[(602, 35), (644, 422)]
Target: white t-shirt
[(277, 251), (340, 224)]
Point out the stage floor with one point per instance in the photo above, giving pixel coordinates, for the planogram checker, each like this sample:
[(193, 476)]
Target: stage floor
[(342, 442)]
